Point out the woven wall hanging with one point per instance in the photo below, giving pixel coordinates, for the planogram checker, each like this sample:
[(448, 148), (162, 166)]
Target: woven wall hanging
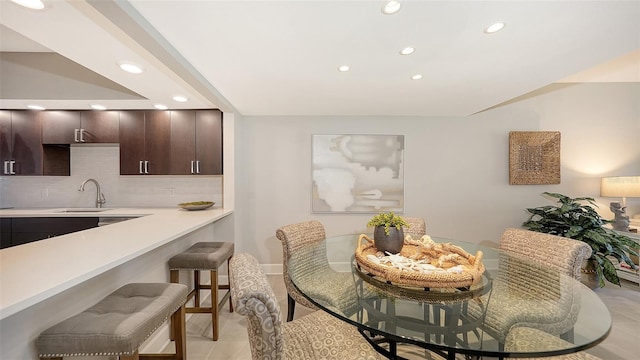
[(534, 157)]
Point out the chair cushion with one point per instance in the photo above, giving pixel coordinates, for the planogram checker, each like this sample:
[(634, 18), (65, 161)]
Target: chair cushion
[(322, 336), (527, 339), (202, 256), (117, 325)]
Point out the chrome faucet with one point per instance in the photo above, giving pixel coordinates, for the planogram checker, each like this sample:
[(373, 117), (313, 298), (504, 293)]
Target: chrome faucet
[(99, 196)]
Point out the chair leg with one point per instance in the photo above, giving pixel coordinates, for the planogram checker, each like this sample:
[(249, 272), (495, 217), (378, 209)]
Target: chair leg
[(291, 307)]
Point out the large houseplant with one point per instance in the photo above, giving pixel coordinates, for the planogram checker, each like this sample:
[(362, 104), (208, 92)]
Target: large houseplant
[(581, 222), (388, 234)]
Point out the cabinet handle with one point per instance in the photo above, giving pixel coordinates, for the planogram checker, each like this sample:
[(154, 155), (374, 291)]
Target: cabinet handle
[(192, 166), (6, 168), (140, 168), (197, 166), (76, 137), (11, 169), (146, 167), (81, 135)]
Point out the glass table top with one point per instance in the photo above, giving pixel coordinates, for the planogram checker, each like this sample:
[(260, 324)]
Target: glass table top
[(476, 320)]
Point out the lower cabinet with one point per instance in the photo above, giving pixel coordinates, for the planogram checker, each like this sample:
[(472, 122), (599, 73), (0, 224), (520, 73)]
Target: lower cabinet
[(26, 230)]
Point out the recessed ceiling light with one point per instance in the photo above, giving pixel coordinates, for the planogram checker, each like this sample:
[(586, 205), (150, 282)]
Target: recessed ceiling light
[(98, 107), (391, 7), (130, 67), (180, 98), (407, 51), (495, 27), (35, 107), (160, 106), (416, 77), (31, 4), (344, 68)]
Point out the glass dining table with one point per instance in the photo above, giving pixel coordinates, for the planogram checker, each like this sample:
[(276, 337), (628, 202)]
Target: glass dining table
[(484, 319)]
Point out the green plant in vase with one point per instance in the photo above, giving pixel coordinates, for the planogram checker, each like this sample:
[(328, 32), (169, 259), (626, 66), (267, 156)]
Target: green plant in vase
[(581, 222), (388, 235)]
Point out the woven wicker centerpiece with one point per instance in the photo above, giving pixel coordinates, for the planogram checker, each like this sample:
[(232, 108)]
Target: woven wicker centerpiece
[(421, 263)]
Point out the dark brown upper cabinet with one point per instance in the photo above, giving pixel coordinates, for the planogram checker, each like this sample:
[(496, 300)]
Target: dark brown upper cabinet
[(196, 142), (20, 142), (145, 142), (78, 127)]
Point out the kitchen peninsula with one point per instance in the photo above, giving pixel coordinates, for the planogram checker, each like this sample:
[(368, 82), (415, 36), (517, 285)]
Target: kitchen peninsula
[(44, 282)]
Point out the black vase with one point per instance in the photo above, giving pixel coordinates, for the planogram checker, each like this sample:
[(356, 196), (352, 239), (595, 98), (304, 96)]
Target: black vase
[(392, 243)]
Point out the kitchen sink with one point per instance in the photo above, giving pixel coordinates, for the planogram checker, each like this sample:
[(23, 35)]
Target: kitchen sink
[(81, 210)]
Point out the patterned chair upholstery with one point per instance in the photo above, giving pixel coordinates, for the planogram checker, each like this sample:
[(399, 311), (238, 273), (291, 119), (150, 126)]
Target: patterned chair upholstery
[(295, 237), (314, 336), (559, 252), (417, 227), (551, 300), (527, 339)]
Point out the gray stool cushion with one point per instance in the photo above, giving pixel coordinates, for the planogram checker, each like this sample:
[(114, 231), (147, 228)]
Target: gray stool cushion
[(117, 325), (202, 256)]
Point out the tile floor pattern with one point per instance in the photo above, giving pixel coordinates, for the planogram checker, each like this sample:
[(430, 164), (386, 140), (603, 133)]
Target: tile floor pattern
[(622, 344)]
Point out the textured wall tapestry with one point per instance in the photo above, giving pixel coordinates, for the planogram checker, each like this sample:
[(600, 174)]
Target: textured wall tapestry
[(534, 157), (357, 173)]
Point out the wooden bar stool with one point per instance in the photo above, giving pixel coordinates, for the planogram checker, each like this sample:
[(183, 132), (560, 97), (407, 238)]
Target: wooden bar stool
[(119, 324), (200, 257)]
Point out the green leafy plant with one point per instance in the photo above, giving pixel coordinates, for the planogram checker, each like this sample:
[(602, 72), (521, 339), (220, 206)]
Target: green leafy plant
[(581, 222), (387, 220)]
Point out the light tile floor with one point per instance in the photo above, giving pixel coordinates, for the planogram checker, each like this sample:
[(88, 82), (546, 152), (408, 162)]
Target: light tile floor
[(622, 344)]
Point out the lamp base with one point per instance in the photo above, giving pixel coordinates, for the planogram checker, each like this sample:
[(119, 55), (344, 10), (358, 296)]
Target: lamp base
[(621, 220)]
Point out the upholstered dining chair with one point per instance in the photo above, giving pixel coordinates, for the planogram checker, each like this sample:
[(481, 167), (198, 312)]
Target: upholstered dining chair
[(314, 336), (525, 339), (295, 237), (417, 227), (536, 275)]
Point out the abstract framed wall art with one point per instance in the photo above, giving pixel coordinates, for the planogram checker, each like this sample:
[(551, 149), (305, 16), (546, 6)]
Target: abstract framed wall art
[(353, 173), (534, 157)]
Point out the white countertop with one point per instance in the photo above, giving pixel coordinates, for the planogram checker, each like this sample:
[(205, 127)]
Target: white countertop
[(35, 271)]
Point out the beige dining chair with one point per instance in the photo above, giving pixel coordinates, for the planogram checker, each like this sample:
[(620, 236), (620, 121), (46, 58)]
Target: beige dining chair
[(537, 282), (295, 237), (525, 339), (314, 336), (417, 227)]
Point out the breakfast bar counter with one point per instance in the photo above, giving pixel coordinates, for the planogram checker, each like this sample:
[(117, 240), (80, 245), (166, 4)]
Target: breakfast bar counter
[(46, 280)]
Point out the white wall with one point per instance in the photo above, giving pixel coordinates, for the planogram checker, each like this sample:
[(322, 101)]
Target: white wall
[(456, 169)]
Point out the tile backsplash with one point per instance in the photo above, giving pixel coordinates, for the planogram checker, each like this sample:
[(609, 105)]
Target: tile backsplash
[(102, 163)]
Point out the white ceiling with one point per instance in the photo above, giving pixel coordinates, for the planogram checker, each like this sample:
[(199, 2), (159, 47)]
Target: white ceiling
[(281, 57)]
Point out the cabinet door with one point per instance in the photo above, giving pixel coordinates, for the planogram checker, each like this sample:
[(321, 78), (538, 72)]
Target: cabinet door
[(209, 141), (60, 127), (183, 141), (131, 131), (27, 142), (157, 142), (5, 137), (99, 126)]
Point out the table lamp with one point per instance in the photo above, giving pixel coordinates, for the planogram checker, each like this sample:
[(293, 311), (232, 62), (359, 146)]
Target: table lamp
[(622, 187)]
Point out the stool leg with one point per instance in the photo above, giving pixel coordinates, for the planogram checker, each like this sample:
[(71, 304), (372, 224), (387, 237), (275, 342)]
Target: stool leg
[(196, 284), (178, 327), (135, 356), (214, 303), (229, 282), (174, 277)]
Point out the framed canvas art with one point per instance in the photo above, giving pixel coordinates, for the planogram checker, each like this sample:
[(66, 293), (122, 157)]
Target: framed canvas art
[(354, 173)]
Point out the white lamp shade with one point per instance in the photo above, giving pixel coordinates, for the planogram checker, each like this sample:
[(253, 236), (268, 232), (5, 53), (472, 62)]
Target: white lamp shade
[(620, 186)]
